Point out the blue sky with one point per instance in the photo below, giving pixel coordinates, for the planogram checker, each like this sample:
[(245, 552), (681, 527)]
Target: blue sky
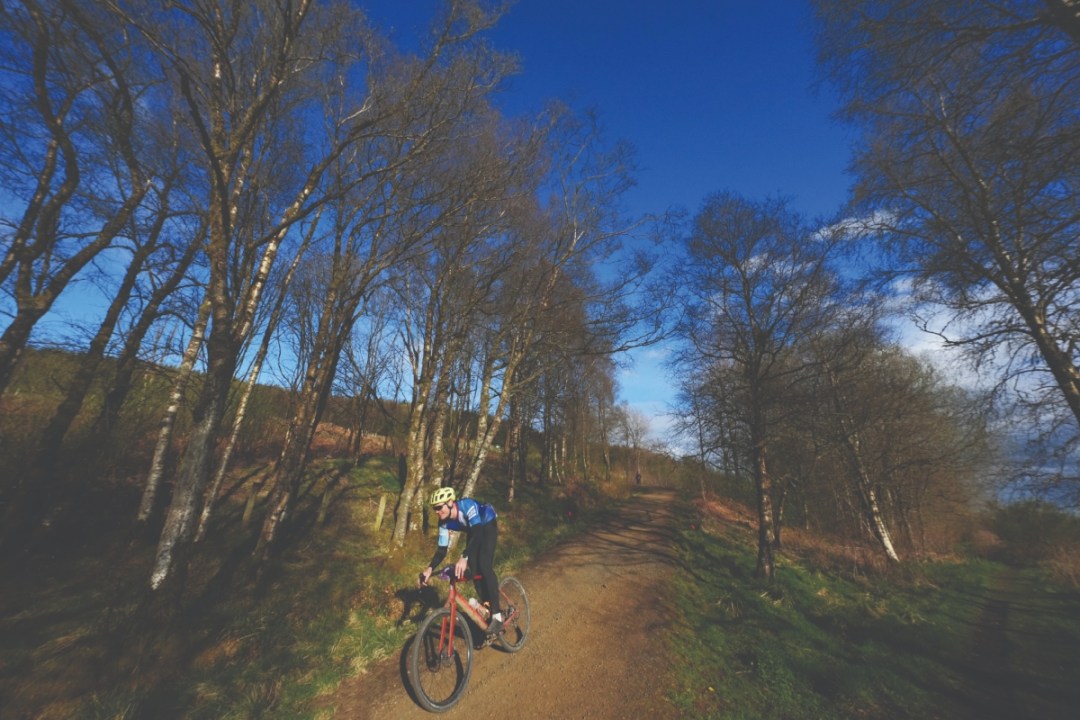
[(715, 95)]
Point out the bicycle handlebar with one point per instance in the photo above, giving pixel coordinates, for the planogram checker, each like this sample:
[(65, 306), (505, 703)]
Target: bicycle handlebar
[(447, 573)]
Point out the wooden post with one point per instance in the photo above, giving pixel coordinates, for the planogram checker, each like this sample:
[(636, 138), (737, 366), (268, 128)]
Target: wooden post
[(382, 511)]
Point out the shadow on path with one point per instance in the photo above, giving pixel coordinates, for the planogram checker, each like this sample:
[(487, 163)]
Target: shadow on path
[(598, 606), (1014, 671)]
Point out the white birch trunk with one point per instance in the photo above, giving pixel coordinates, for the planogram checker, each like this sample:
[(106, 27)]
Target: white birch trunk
[(168, 422), (253, 377)]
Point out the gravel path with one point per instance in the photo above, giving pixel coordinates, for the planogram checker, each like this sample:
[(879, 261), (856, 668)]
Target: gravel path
[(597, 645)]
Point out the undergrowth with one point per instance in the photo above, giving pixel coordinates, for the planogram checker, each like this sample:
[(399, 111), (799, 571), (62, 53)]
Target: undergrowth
[(82, 638)]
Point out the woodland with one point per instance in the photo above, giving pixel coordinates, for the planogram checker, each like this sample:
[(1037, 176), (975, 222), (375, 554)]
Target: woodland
[(290, 238), (268, 278)]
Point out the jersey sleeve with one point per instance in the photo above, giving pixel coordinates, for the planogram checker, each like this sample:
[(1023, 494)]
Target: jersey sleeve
[(472, 513)]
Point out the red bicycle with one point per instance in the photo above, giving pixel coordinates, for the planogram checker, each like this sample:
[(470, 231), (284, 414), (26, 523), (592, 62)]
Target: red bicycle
[(440, 659)]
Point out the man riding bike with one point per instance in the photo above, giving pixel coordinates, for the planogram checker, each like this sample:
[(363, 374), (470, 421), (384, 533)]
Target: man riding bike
[(478, 521)]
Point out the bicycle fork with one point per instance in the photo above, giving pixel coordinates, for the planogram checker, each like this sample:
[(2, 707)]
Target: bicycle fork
[(446, 640)]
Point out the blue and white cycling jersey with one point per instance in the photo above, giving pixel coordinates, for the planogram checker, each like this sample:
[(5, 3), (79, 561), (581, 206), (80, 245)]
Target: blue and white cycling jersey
[(470, 514)]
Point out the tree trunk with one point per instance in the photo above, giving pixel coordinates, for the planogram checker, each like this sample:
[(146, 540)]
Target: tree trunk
[(253, 377), (873, 516), (289, 473), (763, 484), (191, 478), (127, 361), (778, 514), (230, 445), (486, 431), (865, 486), (1058, 360), (876, 521), (513, 443), (52, 439), (168, 421), (414, 474)]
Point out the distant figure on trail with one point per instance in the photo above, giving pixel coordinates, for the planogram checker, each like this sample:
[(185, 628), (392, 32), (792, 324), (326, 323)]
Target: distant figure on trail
[(637, 478), (478, 521)]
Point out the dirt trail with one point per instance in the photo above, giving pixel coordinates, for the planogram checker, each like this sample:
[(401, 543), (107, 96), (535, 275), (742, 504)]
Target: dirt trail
[(596, 649), (992, 668)]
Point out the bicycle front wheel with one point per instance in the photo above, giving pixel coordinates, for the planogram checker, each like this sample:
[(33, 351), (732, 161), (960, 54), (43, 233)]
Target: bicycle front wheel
[(440, 661), (514, 604)]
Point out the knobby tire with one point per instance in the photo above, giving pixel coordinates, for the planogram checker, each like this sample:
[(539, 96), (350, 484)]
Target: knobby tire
[(514, 604), (440, 682)]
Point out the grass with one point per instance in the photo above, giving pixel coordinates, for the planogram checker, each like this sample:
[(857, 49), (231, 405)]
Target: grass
[(914, 642), (79, 639), (837, 635)]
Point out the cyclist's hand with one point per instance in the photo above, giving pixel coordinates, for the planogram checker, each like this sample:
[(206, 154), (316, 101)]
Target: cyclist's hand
[(425, 576), (460, 566)]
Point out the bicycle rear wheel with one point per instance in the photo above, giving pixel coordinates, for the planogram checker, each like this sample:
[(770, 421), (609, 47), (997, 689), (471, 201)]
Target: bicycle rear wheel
[(440, 661), (514, 604)]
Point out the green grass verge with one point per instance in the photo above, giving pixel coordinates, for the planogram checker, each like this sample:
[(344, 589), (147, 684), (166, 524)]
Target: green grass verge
[(914, 643)]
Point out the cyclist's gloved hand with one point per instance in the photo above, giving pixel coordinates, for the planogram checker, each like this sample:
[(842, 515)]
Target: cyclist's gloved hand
[(424, 576)]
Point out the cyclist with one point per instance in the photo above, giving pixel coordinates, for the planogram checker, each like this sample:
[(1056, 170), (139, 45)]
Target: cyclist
[(478, 521)]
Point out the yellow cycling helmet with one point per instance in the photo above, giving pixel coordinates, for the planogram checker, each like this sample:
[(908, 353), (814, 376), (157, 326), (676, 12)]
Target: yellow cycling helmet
[(443, 495)]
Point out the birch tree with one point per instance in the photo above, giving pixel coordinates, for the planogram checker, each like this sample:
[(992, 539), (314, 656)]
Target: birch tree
[(894, 438), (558, 244), (249, 76), (426, 108), (369, 370), (146, 242), (967, 172), (852, 438), (272, 321), (71, 163), (758, 282), (156, 472), (165, 296), (447, 287)]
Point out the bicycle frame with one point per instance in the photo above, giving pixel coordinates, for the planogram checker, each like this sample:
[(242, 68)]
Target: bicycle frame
[(456, 601), (440, 658)]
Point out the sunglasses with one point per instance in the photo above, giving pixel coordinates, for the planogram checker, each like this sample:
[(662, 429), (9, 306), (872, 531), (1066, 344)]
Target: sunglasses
[(438, 508)]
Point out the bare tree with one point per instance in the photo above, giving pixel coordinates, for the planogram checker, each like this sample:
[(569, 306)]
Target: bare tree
[(593, 410), (554, 279), (156, 472), (164, 296), (498, 323), (145, 244), (368, 369), (446, 289), (968, 173), (758, 282), (70, 158), (249, 76), (634, 427), (851, 428), (272, 321), (575, 379), (890, 449)]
